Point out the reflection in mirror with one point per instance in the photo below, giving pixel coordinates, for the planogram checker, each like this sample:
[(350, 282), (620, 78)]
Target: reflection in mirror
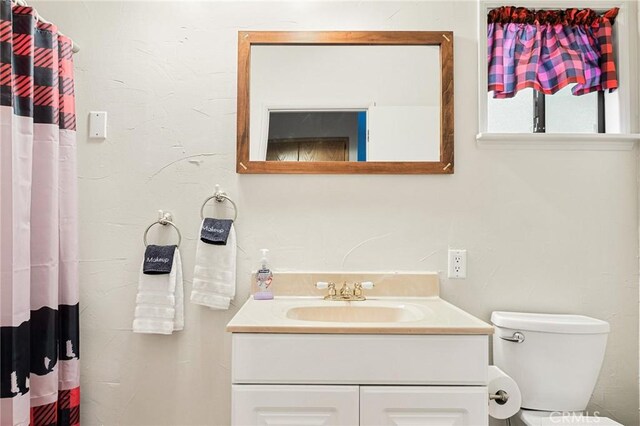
[(395, 134), (395, 90), (317, 136)]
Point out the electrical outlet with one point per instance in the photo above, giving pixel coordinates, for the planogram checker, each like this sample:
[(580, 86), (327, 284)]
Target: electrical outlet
[(457, 263)]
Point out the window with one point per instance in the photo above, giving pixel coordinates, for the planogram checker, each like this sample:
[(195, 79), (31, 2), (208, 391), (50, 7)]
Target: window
[(532, 117), (531, 111)]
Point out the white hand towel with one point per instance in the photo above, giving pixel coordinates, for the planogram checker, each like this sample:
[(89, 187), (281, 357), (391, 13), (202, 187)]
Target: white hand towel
[(214, 276), (160, 301)]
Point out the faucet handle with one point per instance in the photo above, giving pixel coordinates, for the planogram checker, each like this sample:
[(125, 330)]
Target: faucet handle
[(367, 285), (321, 285), (332, 290), (358, 287)]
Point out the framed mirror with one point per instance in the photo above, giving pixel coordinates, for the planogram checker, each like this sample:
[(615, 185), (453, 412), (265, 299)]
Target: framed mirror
[(345, 102)]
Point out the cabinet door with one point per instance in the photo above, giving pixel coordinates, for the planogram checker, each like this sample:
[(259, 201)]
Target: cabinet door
[(299, 405), (423, 406)]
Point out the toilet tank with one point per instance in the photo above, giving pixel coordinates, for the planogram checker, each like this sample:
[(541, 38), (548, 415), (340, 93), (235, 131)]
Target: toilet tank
[(558, 362)]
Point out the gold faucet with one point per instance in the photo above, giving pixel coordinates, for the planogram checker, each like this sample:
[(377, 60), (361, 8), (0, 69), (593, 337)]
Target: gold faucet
[(345, 294), (345, 291)]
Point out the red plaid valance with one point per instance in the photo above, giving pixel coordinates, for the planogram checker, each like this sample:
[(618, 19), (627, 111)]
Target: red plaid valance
[(549, 49)]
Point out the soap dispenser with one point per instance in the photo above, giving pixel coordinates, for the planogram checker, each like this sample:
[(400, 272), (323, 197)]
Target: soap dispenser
[(264, 278)]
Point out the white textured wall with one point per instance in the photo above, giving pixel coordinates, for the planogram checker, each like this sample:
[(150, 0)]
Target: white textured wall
[(546, 231)]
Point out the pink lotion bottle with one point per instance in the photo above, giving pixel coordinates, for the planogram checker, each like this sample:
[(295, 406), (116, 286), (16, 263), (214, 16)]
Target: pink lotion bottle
[(264, 279)]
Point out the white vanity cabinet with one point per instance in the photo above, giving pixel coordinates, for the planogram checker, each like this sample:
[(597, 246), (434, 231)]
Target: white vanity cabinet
[(402, 357), (359, 379)]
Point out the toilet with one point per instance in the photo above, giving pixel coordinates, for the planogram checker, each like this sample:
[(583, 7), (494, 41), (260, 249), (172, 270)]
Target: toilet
[(555, 360)]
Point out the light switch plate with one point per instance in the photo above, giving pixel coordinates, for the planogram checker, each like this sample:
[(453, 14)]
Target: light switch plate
[(98, 124), (457, 263)]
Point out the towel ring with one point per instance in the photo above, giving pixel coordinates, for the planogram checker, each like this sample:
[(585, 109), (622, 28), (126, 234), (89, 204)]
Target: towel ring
[(220, 197), (161, 222)]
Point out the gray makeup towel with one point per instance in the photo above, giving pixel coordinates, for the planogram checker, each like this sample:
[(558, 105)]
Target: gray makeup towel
[(215, 231), (158, 259)]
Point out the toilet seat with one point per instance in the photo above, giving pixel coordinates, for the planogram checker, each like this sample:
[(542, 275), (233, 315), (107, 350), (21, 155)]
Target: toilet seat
[(548, 418)]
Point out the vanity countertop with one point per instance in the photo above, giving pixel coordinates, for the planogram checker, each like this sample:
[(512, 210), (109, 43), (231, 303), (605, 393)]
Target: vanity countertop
[(399, 315), (399, 303)]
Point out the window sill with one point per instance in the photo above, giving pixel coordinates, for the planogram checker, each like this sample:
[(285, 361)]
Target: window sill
[(558, 141)]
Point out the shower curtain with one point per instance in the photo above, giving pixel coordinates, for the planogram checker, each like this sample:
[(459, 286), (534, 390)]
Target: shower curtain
[(39, 377)]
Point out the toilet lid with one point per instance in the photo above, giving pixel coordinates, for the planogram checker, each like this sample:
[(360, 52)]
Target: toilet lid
[(550, 323), (546, 418)]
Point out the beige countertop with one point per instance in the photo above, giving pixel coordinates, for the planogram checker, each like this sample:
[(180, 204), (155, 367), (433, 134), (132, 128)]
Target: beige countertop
[(417, 315)]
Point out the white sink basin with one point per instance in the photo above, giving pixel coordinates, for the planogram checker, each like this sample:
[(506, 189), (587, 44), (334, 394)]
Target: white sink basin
[(423, 315), (351, 313)]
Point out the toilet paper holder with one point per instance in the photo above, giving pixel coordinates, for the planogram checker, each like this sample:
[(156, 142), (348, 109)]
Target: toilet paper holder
[(501, 397)]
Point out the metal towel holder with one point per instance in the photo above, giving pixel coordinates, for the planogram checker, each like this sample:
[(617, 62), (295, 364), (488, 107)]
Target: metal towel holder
[(164, 218), (220, 197)]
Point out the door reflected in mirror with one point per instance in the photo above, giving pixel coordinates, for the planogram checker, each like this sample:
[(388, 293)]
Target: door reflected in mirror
[(317, 136), (391, 134)]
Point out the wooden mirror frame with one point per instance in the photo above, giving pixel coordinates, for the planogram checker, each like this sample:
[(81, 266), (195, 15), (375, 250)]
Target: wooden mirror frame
[(443, 39)]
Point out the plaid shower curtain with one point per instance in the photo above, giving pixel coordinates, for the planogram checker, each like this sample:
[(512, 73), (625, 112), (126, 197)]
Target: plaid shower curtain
[(549, 49), (39, 341)]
